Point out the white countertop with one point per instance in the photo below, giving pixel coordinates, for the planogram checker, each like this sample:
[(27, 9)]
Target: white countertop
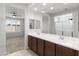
[(69, 42)]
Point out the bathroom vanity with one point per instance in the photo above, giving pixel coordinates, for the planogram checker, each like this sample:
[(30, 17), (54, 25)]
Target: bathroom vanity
[(51, 45)]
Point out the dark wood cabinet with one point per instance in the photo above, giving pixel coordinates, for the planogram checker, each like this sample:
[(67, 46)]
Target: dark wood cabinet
[(76, 53), (45, 48), (34, 44), (40, 47), (30, 42), (49, 49), (64, 51)]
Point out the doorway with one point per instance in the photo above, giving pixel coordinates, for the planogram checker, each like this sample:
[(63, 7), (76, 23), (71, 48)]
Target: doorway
[(14, 29)]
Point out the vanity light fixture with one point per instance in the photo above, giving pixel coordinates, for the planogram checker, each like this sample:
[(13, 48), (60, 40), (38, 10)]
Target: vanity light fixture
[(35, 9), (51, 8), (44, 4), (42, 11)]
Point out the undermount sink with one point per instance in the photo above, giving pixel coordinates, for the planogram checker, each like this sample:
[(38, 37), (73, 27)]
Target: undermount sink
[(66, 42)]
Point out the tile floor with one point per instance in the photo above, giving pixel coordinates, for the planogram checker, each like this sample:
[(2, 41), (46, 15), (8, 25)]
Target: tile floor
[(27, 52), (14, 44)]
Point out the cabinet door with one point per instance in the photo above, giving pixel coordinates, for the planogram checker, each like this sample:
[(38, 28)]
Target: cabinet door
[(30, 42), (64, 51), (76, 53), (34, 44), (40, 47), (49, 49)]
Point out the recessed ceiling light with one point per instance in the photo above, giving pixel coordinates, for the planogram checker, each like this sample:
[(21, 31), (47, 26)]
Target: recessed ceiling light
[(35, 9), (51, 8), (44, 4), (42, 11)]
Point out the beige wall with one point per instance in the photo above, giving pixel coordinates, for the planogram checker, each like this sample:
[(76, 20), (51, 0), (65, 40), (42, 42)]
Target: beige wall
[(2, 30)]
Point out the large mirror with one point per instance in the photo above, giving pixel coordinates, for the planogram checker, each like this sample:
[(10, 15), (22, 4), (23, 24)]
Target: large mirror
[(31, 25), (60, 25), (34, 24), (64, 25), (37, 24)]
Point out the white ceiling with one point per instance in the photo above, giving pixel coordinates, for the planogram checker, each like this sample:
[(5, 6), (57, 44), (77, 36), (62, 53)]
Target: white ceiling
[(57, 7), (11, 10), (18, 8)]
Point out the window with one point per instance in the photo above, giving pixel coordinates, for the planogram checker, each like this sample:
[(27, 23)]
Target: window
[(13, 25)]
